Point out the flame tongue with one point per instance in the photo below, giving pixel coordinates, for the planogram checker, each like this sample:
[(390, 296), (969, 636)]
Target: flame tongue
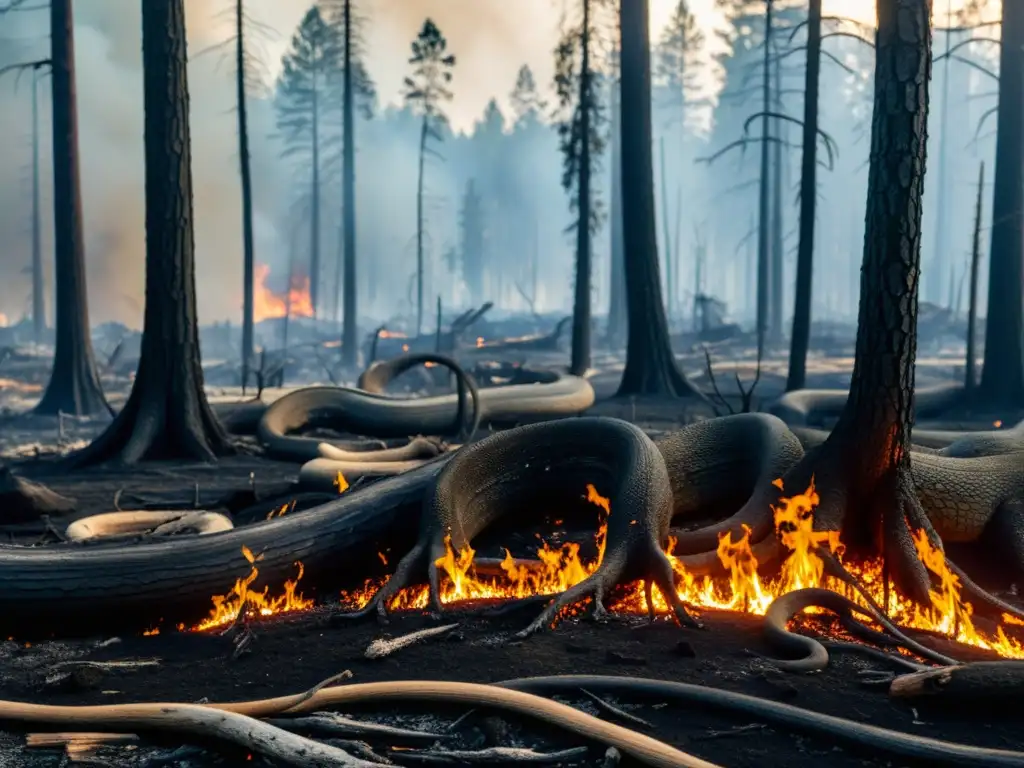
[(557, 569)]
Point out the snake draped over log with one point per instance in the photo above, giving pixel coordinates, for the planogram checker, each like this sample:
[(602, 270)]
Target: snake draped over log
[(368, 411)]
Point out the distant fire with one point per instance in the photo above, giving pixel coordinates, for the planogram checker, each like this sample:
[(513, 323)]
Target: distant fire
[(4, 322), (269, 304)]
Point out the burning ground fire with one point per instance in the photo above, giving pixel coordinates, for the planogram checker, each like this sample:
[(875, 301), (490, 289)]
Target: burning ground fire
[(268, 304), (557, 569)]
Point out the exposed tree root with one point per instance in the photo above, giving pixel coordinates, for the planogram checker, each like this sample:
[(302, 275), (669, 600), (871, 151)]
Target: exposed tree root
[(22, 500), (148, 522), (492, 478)]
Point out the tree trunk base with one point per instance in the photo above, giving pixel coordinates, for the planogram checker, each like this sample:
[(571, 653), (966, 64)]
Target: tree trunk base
[(74, 395), (159, 424)]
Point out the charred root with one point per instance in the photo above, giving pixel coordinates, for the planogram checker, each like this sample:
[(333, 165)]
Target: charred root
[(24, 501)]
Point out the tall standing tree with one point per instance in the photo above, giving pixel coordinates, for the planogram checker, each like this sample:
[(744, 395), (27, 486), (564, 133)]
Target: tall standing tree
[(862, 472), (245, 176), (167, 415), (471, 224), (357, 90), (581, 132), (526, 101), (303, 98), (426, 90), (651, 367), (800, 334), (38, 287), (74, 386), (617, 326), (1002, 373)]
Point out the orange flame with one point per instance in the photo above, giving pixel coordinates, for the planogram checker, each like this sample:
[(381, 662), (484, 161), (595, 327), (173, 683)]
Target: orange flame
[(268, 304), (555, 570)]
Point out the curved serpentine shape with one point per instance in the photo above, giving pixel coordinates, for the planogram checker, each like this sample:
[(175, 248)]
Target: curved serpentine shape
[(492, 478), (813, 655), (140, 521), (860, 737), (121, 717), (810, 407), (370, 413)]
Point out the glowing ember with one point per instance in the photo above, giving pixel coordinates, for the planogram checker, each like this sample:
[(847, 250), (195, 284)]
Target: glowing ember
[(386, 334), (256, 604), (268, 304), (555, 570), (340, 483), (19, 386)]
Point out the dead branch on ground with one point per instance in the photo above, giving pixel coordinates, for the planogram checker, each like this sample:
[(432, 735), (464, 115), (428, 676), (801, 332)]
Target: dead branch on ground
[(746, 394)]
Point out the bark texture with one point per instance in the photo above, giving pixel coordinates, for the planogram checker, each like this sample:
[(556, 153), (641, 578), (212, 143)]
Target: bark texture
[(248, 247), (38, 290), (650, 365), (800, 334), (862, 470), (349, 344), (1002, 374), (167, 415), (74, 385), (581, 313), (616, 331)]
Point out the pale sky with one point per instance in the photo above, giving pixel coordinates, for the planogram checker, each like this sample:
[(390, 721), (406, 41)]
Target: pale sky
[(490, 38)]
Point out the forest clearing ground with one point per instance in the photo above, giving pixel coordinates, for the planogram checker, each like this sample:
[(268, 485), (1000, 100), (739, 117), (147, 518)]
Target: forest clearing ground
[(291, 653)]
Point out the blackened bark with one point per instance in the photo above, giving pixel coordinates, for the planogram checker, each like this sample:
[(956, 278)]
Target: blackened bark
[(349, 349), (1002, 374), (778, 292), (424, 133), (616, 332), (670, 286), (248, 248), (314, 201), (650, 365), (763, 241), (874, 428), (800, 334), (580, 360), (74, 385), (970, 379), (38, 292), (167, 415)]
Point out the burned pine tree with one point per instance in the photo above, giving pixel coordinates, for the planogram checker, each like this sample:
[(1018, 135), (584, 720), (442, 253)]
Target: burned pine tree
[(615, 333), (581, 136), (527, 108), (74, 385), (167, 415), (862, 471), (651, 367), (356, 91), (800, 335), (38, 276), (677, 73), (425, 90), (1002, 373), (303, 98), (471, 251)]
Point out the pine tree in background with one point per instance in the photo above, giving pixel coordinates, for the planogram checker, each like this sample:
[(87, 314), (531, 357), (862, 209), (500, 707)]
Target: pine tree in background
[(582, 124), (304, 96), (425, 91), (527, 103)]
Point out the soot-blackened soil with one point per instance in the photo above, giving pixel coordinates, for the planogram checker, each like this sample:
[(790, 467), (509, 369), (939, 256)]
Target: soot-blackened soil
[(291, 654)]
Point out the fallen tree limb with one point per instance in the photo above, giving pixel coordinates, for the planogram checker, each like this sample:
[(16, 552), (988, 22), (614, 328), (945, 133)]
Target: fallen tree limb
[(503, 755), (995, 684), (333, 724), (77, 589)]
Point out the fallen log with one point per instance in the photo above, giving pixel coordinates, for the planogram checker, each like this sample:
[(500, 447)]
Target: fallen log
[(70, 589)]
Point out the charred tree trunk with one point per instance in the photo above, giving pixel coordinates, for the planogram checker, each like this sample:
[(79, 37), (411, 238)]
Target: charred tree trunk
[(862, 471), (800, 334), (650, 365), (580, 361), (167, 415), (670, 288), (349, 351), (617, 306), (1002, 373), (248, 248), (38, 290), (74, 385), (778, 291), (763, 213), (970, 380), (314, 201), (424, 133)]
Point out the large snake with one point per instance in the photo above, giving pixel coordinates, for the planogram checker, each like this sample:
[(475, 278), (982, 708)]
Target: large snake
[(368, 411)]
